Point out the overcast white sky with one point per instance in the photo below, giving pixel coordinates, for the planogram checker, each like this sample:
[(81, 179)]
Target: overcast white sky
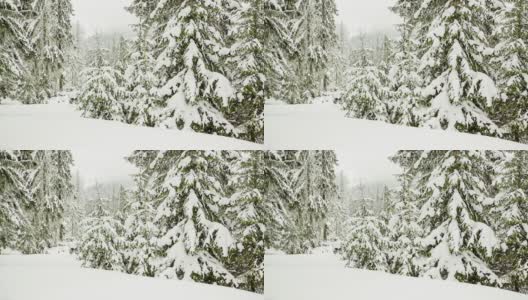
[(109, 165), (366, 15), (102, 165), (357, 15), (102, 15), (368, 165)]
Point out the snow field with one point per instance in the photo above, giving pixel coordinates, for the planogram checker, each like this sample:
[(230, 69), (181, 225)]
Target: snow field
[(60, 277), (322, 277), (324, 126), (34, 123)]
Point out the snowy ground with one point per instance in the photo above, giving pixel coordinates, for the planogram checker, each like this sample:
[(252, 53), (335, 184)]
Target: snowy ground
[(60, 277), (324, 126), (322, 277), (60, 126)]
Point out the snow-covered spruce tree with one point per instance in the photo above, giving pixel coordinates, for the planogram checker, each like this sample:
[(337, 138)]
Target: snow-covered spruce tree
[(337, 212), (392, 105), (313, 185), (314, 35), (101, 244), (122, 60), (278, 44), (327, 36), (404, 89), (403, 213), (190, 204), (511, 212), (366, 94), (13, 47), (239, 51), (49, 182), (139, 245), (140, 83), (120, 54), (140, 76), (405, 81), (407, 10), (385, 200), (454, 63), (366, 243), (339, 61), (73, 212), (386, 52), (43, 206), (121, 199), (50, 36), (101, 93), (454, 196), (278, 193), (248, 214), (326, 182), (250, 65), (191, 46), (292, 235), (511, 61), (62, 183), (14, 197), (74, 60), (143, 10), (63, 36), (308, 208)]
